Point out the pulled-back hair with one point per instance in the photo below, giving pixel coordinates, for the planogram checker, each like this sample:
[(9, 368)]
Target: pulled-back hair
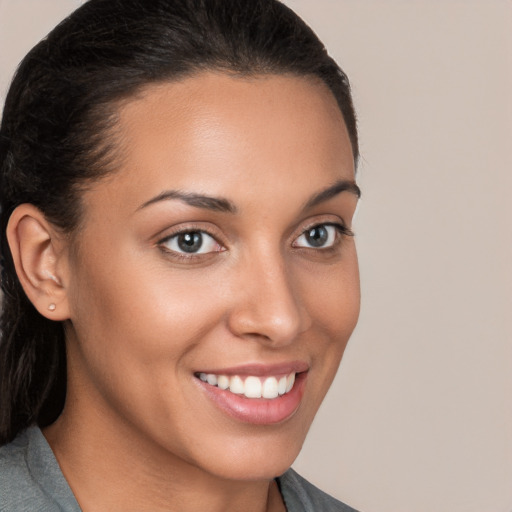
[(54, 137)]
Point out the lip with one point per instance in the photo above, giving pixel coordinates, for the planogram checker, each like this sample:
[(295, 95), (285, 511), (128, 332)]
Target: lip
[(258, 411), (260, 370)]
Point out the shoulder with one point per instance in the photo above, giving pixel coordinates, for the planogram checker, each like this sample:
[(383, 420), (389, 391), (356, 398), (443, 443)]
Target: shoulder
[(301, 496), (16, 485), (30, 478)]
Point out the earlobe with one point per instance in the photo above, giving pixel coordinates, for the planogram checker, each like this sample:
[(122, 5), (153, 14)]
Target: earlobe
[(37, 251)]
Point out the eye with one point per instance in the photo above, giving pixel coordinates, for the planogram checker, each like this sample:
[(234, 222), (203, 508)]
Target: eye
[(191, 242), (319, 236)]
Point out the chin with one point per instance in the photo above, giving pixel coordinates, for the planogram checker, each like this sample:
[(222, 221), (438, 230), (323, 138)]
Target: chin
[(262, 457), (267, 465)]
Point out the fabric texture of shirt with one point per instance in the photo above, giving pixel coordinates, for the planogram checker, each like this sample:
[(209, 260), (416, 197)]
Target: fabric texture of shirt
[(31, 480)]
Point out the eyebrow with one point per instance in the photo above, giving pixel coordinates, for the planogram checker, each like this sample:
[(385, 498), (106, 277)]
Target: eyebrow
[(217, 204), (332, 191), (220, 204)]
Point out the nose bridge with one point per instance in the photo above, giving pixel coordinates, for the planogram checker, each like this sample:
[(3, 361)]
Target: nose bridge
[(268, 306)]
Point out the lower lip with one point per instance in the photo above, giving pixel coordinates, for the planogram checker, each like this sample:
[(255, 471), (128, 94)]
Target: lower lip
[(258, 411)]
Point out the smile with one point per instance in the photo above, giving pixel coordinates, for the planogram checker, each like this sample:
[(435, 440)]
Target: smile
[(252, 386), (256, 393)]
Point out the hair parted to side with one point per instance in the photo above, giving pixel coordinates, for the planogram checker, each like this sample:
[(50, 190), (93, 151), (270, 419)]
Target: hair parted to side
[(57, 135)]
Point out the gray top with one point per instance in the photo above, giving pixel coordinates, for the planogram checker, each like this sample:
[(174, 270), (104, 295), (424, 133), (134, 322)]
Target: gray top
[(31, 480)]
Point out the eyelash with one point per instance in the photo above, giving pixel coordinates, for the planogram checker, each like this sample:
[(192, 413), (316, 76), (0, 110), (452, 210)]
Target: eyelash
[(341, 229), (183, 255)]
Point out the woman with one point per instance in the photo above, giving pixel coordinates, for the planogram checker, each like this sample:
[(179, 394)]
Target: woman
[(179, 275)]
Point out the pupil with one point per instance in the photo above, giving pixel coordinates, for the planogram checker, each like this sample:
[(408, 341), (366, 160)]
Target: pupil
[(190, 242), (317, 236)]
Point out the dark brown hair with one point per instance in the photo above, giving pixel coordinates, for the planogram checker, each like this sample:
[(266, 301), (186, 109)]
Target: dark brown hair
[(54, 136)]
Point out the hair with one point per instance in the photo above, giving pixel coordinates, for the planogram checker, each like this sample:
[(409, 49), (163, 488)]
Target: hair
[(55, 137)]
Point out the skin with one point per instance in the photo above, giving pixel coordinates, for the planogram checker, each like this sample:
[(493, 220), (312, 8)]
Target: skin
[(137, 431)]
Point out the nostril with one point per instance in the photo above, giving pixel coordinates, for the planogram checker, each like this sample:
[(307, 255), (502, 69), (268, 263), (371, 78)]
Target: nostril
[(274, 326)]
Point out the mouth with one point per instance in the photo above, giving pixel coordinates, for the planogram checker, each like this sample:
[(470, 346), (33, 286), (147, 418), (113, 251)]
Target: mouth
[(255, 394), (252, 386)]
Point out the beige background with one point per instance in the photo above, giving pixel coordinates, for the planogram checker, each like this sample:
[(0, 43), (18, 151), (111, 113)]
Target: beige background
[(420, 416)]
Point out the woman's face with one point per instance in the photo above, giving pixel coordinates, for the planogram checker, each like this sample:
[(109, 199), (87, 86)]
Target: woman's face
[(217, 252)]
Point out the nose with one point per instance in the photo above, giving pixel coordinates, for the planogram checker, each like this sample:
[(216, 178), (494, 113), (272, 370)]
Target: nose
[(268, 302)]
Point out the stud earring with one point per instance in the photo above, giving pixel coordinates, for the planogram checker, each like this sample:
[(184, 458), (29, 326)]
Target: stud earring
[(52, 307)]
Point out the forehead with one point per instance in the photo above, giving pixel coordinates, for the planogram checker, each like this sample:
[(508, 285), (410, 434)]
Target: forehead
[(216, 133)]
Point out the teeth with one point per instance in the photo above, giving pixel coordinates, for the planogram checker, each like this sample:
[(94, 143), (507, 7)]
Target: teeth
[(211, 379), (290, 380), (223, 382), (236, 385), (281, 387), (252, 387), (270, 388)]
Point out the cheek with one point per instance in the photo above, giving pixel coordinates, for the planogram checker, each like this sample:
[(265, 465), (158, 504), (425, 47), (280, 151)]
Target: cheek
[(333, 297), (136, 331), (146, 312), (333, 301)]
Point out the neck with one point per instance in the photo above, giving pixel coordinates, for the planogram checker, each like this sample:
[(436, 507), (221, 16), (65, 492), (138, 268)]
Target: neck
[(114, 470)]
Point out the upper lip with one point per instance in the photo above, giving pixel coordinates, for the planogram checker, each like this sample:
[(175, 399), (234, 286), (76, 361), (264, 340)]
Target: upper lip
[(261, 370)]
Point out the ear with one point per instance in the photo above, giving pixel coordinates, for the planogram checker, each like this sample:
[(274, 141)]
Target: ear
[(39, 252)]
